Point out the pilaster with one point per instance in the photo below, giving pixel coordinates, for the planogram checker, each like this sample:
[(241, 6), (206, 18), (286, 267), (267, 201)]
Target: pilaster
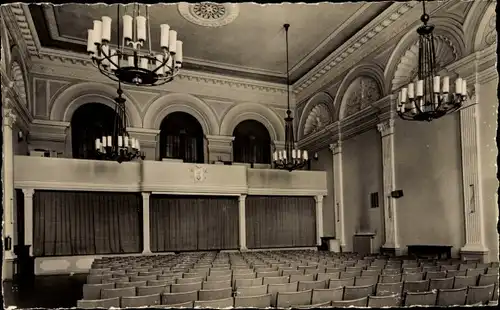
[(28, 217), (242, 222), (319, 218), (336, 149), (386, 130), (220, 148), (148, 140), (9, 118), (146, 248)]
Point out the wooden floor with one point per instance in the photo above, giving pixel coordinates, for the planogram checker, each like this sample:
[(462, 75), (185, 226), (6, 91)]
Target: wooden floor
[(46, 292)]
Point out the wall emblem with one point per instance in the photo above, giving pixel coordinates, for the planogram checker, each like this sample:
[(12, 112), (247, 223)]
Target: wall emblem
[(199, 173)]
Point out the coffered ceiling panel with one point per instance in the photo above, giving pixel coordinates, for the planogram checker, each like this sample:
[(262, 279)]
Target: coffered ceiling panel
[(242, 39)]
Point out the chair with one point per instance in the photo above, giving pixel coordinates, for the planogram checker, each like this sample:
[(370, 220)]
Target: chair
[(328, 276), (309, 285), (117, 292), (219, 303), (178, 298), (452, 297), (140, 301), (495, 293), (418, 276), (257, 301), (247, 282), (341, 282), (356, 292), (387, 289), (438, 283), (101, 303), (326, 295), (189, 280), (251, 290), (361, 302), (390, 278), (215, 294), (218, 278), (486, 279), (314, 306), (289, 272), (151, 290), (384, 301), (160, 282), (474, 272), (416, 286), (287, 299), (130, 284), (304, 277), (151, 273), (193, 275), (393, 271), (93, 291), (143, 278), (97, 278), (275, 280), (366, 280), (213, 285), (187, 287), (480, 294), (455, 273), (187, 304), (220, 272), (262, 274), (464, 281), (349, 274), (115, 280), (368, 273), (492, 270), (420, 298), (273, 289)]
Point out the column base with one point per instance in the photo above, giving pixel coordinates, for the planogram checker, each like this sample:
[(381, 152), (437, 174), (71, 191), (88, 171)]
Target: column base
[(8, 268), (474, 252), (391, 250), (147, 252), (243, 249)]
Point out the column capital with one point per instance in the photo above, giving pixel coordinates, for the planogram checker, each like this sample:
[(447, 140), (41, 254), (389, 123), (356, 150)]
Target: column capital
[(9, 118), (145, 195), (319, 199), (386, 128), (28, 192), (336, 147), (242, 197)]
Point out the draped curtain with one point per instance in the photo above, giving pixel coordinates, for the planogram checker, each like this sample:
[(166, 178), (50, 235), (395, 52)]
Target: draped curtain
[(280, 221), (252, 143), (86, 223), (189, 223)]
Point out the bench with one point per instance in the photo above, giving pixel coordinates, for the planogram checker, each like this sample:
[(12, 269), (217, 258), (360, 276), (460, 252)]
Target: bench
[(428, 250)]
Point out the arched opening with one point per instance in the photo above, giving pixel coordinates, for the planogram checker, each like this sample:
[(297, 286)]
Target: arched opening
[(252, 143), (181, 137), (89, 122)]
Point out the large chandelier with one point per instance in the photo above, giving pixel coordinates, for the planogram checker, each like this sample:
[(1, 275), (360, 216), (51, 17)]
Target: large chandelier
[(132, 62), (119, 146), (429, 98), (290, 158)]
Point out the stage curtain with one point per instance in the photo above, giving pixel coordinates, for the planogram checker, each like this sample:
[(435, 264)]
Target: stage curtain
[(189, 223), (86, 223), (280, 221)]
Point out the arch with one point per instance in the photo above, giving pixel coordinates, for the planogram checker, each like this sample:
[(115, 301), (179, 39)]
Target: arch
[(257, 112), (176, 102), (486, 34), (182, 137), (472, 22), (252, 143), (16, 74), (444, 27), (321, 102), (76, 95), (369, 70), (5, 51)]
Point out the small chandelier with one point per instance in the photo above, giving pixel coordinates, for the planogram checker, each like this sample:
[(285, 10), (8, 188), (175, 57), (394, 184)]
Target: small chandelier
[(120, 146), (290, 158), (133, 63), (429, 98)]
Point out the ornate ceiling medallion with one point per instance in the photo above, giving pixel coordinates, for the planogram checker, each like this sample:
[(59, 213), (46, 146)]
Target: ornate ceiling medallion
[(209, 14)]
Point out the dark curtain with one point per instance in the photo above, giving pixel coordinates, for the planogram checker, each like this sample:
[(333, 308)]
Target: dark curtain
[(280, 221), (252, 143), (89, 122), (188, 223), (181, 137), (20, 216), (86, 223)]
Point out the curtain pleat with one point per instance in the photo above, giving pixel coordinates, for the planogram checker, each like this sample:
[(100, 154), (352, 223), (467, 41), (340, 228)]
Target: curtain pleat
[(86, 223), (189, 223), (280, 221)]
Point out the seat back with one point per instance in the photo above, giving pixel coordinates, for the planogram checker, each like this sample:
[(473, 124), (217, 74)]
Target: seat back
[(251, 290), (356, 292), (187, 304), (289, 272), (288, 299), (117, 292), (247, 282), (327, 295), (485, 279), (187, 287), (464, 281), (140, 301), (328, 276), (215, 294), (440, 283), (93, 291), (261, 274), (273, 289), (420, 298), (313, 306), (452, 297), (417, 276), (257, 301), (384, 301), (341, 282), (130, 284), (390, 278), (151, 290), (360, 302), (480, 294), (309, 285), (219, 303), (213, 285), (101, 303), (416, 286), (388, 289), (177, 298), (189, 280), (275, 280)]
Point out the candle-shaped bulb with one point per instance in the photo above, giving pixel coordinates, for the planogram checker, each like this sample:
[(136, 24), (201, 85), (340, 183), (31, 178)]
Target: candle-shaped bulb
[(172, 41), (127, 27), (294, 154), (404, 93), (164, 35), (437, 84), (275, 156), (106, 29), (120, 141), (420, 88), (411, 90), (110, 143), (446, 84), (458, 86), (91, 48), (104, 141), (306, 155), (97, 33), (464, 87), (141, 28), (125, 141), (97, 144)]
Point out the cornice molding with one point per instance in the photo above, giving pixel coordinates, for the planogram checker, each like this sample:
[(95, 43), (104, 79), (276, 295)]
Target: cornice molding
[(10, 92), (18, 26)]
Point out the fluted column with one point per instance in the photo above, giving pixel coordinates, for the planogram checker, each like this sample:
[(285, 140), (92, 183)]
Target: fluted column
[(9, 118), (28, 217), (146, 247), (242, 222), (319, 218), (386, 130), (472, 187), (336, 149)]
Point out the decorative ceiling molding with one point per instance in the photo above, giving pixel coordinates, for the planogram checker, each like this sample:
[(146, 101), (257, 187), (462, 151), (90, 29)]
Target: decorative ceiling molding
[(362, 92), (209, 14), (16, 74), (407, 68), (317, 119), (18, 26)]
